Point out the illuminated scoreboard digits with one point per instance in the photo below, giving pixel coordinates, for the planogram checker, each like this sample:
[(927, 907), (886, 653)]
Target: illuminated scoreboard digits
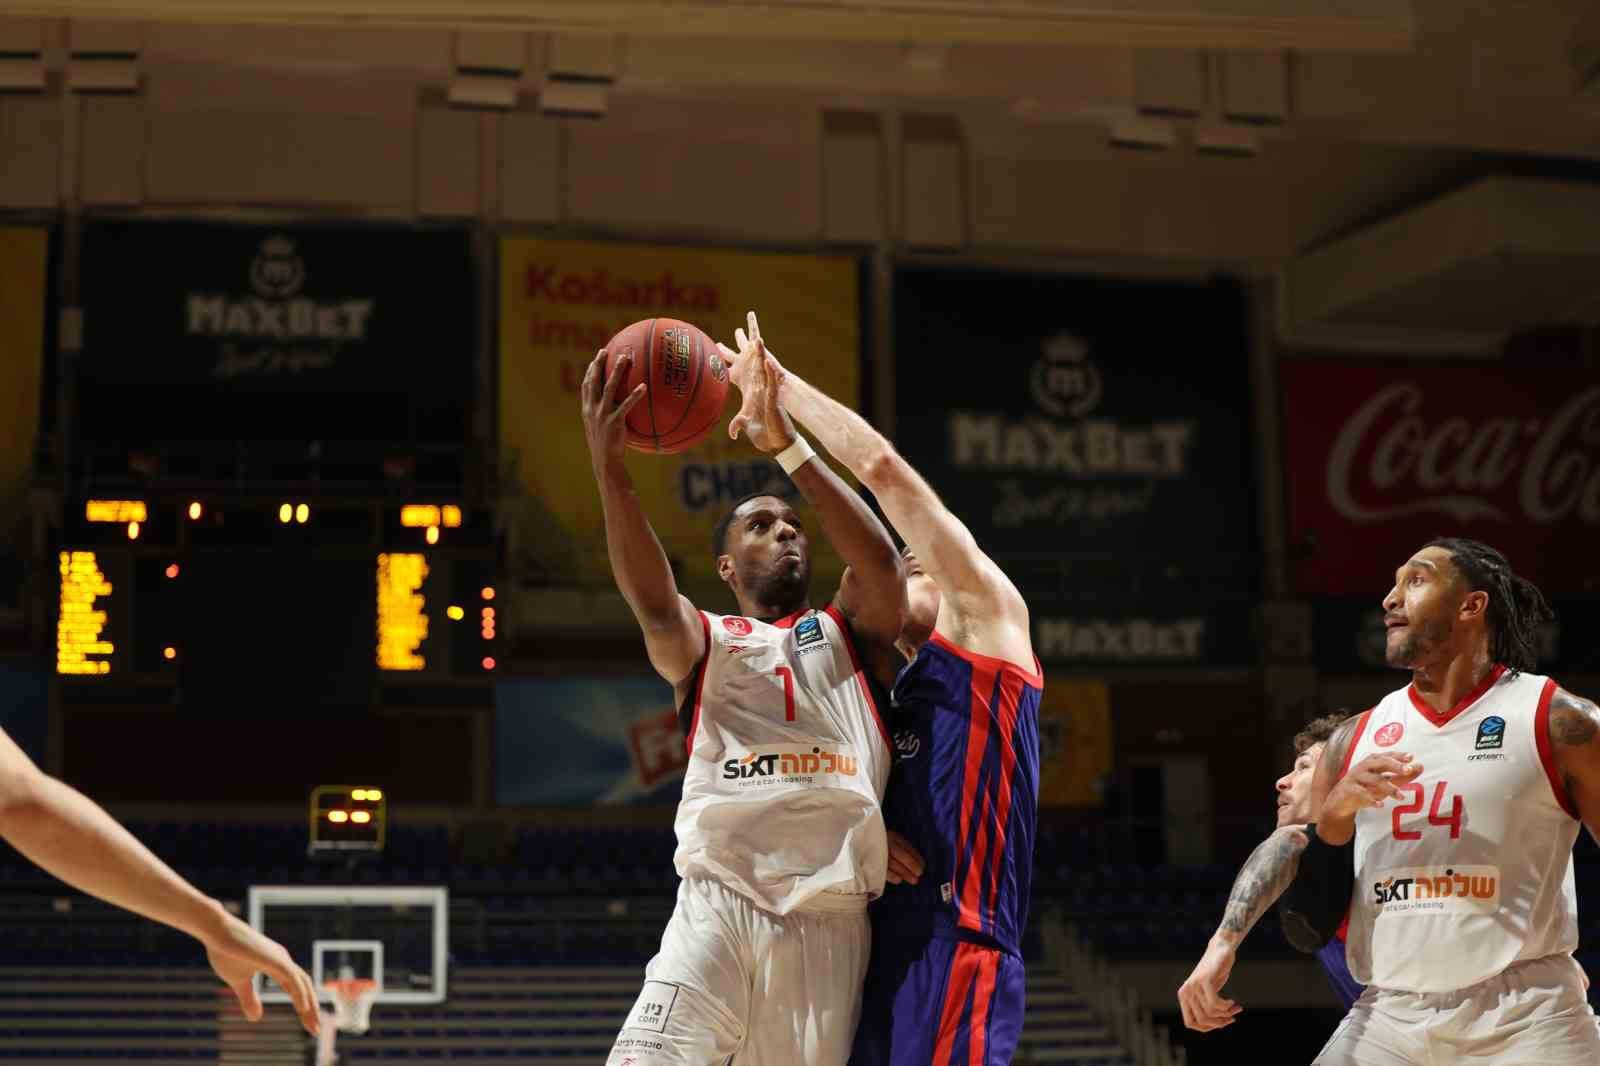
[(402, 611), (423, 515), (80, 628), (117, 512), (430, 517)]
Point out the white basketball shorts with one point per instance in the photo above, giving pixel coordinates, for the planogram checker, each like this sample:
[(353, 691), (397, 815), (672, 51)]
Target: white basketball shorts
[(1533, 1013), (733, 982)]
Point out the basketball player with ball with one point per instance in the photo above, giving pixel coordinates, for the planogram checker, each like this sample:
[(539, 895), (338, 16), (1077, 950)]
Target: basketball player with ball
[(781, 841), (946, 984)]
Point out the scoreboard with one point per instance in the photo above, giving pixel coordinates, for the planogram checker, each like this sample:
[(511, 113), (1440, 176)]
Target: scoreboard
[(82, 644), (277, 605)]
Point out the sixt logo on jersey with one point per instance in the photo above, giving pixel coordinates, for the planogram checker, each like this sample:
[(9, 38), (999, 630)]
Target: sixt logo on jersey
[(1434, 889), (1491, 733), (782, 764)]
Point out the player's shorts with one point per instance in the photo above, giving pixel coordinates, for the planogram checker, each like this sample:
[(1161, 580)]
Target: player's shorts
[(1532, 1014), (937, 1001), (735, 981)]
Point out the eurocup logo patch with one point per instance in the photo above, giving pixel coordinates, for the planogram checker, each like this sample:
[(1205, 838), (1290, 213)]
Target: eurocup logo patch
[(1389, 735), (1491, 733), (808, 631), (739, 627)]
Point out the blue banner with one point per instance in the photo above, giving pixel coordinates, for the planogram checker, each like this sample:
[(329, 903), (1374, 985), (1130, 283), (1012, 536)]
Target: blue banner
[(587, 741)]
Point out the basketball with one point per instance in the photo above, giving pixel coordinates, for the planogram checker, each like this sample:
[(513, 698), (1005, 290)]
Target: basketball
[(686, 383)]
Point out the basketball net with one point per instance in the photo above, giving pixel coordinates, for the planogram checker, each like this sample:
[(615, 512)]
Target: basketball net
[(352, 1012)]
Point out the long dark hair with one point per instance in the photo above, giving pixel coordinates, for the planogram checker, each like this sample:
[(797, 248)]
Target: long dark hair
[(1516, 606)]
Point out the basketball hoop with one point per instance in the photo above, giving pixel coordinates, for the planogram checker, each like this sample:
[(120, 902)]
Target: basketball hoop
[(352, 1003)]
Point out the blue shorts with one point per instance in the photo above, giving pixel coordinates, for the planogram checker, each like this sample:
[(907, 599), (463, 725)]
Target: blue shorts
[(939, 1002), (1334, 963)]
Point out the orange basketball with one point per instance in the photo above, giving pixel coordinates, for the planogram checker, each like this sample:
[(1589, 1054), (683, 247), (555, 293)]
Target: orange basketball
[(686, 383)]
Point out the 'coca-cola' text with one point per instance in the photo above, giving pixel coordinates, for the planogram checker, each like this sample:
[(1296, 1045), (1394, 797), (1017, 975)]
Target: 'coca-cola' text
[(1389, 460)]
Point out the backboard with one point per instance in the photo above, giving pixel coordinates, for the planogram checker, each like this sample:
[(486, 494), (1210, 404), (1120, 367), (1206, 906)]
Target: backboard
[(397, 936)]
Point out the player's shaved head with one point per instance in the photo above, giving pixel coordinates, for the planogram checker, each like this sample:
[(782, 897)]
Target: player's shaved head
[(719, 532)]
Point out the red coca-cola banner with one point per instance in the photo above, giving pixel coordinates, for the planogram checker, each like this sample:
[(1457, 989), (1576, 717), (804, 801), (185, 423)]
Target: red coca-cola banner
[(1380, 457)]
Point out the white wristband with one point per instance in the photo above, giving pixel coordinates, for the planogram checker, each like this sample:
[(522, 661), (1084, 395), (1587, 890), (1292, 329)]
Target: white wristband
[(795, 455)]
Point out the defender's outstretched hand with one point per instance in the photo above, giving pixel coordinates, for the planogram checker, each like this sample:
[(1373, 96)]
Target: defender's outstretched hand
[(757, 376), (237, 953)]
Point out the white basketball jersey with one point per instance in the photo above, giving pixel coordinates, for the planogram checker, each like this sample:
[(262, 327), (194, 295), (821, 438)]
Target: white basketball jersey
[(788, 759), (1470, 870)]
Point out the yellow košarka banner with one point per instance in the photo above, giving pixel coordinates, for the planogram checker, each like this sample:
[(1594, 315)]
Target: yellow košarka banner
[(23, 256), (1074, 742), (560, 302)]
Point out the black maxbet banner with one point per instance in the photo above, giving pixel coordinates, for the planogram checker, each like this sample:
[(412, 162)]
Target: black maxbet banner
[(1348, 636), (1212, 633), (201, 329), (1095, 435)]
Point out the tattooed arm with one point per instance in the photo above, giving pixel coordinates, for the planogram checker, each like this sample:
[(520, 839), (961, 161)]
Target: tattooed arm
[(1262, 879), (1575, 741), (1264, 876)]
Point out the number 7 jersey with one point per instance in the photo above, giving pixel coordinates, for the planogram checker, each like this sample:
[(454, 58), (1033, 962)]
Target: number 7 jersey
[(788, 759), (1470, 870)]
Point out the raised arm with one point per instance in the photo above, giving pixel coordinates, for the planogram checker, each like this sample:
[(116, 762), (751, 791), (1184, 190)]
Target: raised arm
[(673, 635), (68, 835), (874, 594), (1338, 795), (1575, 742), (979, 604), (1329, 768)]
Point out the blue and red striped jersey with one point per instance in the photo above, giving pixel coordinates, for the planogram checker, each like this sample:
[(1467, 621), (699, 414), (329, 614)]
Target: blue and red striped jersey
[(965, 792), (1337, 967)]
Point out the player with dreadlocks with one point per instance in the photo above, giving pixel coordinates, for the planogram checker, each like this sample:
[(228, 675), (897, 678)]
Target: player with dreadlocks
[(1464, 915)]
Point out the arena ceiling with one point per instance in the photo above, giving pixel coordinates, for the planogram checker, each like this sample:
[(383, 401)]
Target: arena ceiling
[(1340, 25)]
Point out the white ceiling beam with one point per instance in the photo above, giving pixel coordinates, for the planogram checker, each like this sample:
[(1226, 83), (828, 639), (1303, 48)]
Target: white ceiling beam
[(1496, 256), (1304, 25)]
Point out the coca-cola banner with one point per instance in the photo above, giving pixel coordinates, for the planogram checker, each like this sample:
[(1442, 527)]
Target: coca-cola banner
[(1095, 435), (205, 331), (1383, 456)]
